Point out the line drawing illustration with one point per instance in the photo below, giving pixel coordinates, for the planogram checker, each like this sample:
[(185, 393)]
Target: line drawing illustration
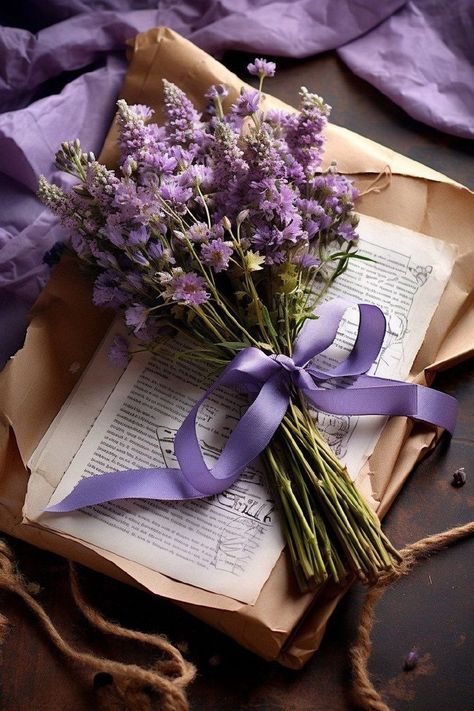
[(236, 545)]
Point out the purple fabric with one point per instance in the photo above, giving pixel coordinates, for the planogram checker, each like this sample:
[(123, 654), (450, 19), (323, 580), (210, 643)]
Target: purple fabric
[(423, 59), (70, 52), (268, 379)]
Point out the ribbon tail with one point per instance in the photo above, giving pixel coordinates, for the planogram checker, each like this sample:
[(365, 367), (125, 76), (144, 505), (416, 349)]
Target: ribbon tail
[(155, 483), (193, 479), (370, 395)]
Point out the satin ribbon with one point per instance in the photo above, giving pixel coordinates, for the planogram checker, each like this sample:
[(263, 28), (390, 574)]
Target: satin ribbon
[(268, 378)]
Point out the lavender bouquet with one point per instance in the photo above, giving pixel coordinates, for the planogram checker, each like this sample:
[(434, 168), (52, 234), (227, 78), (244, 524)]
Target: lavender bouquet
[(223, 226)]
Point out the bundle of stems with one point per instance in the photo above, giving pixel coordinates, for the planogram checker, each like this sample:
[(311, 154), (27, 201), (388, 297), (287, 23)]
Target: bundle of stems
[(330, 530)]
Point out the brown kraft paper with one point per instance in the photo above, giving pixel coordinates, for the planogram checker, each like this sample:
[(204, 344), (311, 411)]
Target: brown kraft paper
[(66, 328)]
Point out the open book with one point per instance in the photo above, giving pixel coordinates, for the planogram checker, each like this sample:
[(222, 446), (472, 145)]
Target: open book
[(119, 419)]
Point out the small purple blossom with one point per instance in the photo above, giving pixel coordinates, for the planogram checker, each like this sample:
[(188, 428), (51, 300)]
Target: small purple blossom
[(346, 232), (187, 288), (104, 258), (118, 352), (216, 254), (176, 195), (155, 250), (411, 660), (261, 68), (139, 236), (140, 259), (115, 235), (216, 91), (247, 103), (134, 136), (142, 111), (107, 291), (199, 232), (184, 122), (306, 260), (136, 317)]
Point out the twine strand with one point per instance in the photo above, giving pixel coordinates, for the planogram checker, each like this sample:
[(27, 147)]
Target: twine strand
[(364, 692), (171, 675), (130, 681), (379, 183)]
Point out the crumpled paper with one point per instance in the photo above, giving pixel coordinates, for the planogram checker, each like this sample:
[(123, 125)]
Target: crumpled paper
[(57, 40)]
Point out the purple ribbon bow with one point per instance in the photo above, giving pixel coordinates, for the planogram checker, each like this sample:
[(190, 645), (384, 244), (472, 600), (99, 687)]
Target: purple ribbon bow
[(268, 379)]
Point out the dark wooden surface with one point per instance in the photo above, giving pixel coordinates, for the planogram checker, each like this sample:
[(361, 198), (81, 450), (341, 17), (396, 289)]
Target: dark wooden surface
[(431, 610)]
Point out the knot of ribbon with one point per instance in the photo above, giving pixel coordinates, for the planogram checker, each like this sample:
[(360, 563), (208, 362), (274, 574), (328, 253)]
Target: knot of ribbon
[(345, 389)]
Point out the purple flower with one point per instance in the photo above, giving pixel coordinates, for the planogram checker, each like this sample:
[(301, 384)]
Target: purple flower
[(187, 288), (184, 122), (216, 91), (155, 250), (148, 333), (306, 260), (275, 199), (134, 136), (194, 175), (139, 258), (142, 111), (118, 352), (304, 138), (104, 259), (115, 235), (262, 68), (230, 168), (129, 166), (107, 291), (199, 232), (79, 245), (216, 254), (281, 119), (247, 103), (156, 163), (101, 183), (176, 196), (134, 202), (346, 232), (138, 236), (136, 316)]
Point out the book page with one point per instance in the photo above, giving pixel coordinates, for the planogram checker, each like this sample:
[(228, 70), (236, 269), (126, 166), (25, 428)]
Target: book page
[(228, 543), (406, 279)]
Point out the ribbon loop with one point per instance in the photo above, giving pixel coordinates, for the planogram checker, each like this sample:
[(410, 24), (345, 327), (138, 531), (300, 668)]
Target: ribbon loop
[(270, 377)]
